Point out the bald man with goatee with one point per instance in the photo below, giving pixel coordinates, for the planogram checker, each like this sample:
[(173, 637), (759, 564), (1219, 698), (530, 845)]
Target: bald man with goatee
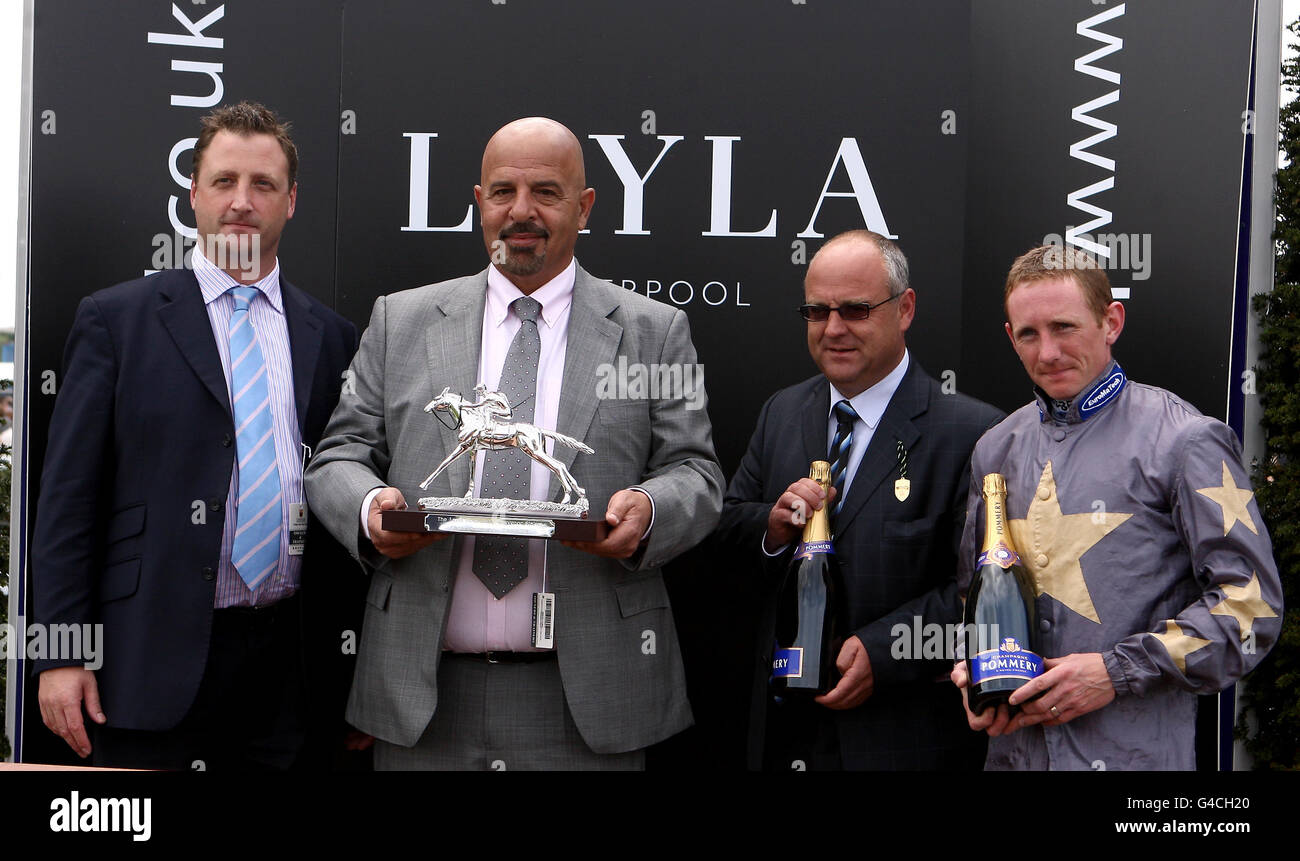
[(448, 676)]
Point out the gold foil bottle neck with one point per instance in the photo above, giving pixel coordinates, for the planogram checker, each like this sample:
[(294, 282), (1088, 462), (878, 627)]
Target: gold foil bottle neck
[(996, 532), (994, 485), (818, 526)]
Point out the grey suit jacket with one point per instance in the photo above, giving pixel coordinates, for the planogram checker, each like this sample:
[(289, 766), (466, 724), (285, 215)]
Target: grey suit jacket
[(615, 639)]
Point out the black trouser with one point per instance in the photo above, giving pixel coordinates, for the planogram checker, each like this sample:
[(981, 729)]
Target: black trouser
[(800, 735), (248, 713)]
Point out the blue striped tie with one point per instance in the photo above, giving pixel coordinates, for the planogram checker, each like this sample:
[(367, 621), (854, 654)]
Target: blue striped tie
[(839, 454), (256, 551)]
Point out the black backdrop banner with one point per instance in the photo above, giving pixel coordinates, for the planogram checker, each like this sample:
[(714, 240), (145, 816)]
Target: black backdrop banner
[(725, 141)]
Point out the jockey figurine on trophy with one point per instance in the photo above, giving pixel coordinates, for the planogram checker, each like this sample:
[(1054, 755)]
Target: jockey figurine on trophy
[(486, 424)]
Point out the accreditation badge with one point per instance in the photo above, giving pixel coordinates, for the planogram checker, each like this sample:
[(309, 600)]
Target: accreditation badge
[(297, 528)]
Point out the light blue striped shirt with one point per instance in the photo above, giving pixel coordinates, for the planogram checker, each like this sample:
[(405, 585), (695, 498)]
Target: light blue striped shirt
[(266, 313)]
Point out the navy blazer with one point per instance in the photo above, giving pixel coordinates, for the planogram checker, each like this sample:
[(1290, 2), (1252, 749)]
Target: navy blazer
[(136, 477), (898, 559)]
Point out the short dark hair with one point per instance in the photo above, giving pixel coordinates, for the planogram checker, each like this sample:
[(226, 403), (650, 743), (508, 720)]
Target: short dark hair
[(247, 118)]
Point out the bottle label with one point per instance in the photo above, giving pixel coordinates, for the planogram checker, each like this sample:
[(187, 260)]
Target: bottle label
[(787, 664), (808, 548), (1009, 661), (1000, 555)]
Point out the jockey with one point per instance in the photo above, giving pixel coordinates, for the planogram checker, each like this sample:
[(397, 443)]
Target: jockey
[(498, 408)]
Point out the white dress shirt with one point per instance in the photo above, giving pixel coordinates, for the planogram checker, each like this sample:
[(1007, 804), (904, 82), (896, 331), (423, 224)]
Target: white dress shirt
[(870, 406), (478, 621), (266, 314)]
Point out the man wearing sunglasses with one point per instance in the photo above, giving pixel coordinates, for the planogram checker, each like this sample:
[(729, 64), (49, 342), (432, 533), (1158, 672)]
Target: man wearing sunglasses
[(899, 448)]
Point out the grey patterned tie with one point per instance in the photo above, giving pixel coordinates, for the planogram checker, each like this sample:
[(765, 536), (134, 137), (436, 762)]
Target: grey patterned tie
[(501, 562)]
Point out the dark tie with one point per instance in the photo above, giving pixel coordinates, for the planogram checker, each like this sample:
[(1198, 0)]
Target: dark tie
[(839, 455), (501, 562)]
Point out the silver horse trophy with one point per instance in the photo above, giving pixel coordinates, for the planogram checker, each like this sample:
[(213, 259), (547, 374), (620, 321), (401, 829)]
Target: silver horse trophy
[(486, 425)]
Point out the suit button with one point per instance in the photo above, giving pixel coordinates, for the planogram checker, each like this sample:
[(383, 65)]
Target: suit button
[(226, 441), (215, 505), (209, 574)]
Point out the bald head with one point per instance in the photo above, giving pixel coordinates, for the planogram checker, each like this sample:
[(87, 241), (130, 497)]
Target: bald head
[(532, 200), (537, 135)]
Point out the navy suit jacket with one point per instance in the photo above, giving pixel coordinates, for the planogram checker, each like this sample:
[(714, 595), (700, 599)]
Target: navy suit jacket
[(898, 559), (136, 478)]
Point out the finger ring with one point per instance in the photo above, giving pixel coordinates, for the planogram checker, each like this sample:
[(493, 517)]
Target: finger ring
[(1054, 712)]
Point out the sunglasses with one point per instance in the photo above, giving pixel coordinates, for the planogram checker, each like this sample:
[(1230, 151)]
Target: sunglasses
[(847, 311)]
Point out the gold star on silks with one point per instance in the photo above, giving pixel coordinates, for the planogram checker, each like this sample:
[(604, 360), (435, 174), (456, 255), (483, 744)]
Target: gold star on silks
[(1233, 500), (1050, 544), (1179, 645), (1244, 604)]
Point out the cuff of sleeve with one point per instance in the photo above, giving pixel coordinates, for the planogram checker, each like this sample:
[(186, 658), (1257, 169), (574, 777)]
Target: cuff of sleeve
[(365, 511), (1118, 679), (646, 534), (885, 669), (763, 546)]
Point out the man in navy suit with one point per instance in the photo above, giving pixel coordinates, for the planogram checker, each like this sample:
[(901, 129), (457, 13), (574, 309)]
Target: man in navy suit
[(171, 508), (900, 450)]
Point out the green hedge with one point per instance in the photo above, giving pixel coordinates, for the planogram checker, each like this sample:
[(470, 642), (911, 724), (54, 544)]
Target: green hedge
[(1272, 692)]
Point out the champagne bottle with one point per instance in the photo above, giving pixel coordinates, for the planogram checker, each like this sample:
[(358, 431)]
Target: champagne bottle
[(1001, 647), (808, 630)]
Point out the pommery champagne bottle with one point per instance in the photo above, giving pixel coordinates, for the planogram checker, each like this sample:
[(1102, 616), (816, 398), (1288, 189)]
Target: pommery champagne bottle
[(1001, 649), (808, 623)]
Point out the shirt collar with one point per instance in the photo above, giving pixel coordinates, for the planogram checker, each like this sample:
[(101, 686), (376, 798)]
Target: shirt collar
[(214, 282), (555, 295), (870, 405), (1083, 406)]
